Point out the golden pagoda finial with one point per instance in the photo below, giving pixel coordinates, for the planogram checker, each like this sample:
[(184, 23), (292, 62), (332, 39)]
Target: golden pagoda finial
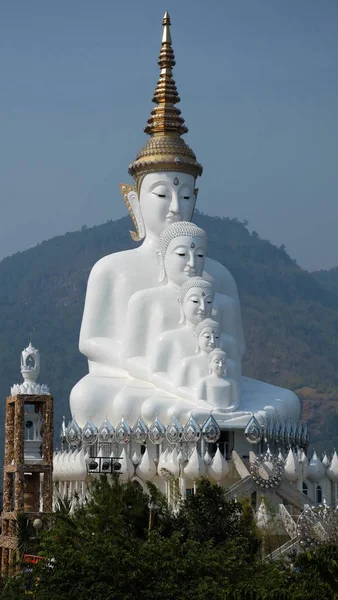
[(166, 37), (165, 117), (165, 150)]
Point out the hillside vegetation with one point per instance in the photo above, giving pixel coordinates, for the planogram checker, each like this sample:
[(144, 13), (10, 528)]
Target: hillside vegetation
[(290, 316)]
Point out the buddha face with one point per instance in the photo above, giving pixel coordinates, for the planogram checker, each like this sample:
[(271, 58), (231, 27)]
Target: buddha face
[(217, 364), (166, 198), (197, 304), (208, 339), (184, 258)]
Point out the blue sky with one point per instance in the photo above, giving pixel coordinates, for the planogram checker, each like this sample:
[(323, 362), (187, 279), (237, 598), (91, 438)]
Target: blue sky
[(259, 89)]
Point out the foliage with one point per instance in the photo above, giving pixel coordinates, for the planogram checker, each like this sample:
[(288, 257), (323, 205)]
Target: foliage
[(104, 550), (210, 505), (25, 533)]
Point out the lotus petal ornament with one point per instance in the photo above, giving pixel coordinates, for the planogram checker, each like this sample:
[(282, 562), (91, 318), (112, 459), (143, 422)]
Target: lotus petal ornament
[(181, 457), (162, 464), (173, 466), (73, 433), (123, 432), (325, 461), (140, 432), (106, 433), (211, 431), (195, 467), (174, 431), (316, 471), (156, 432), (253, 431), (292, 467), (332, 471), (89, 433), (127, 467), (146, 468), (303, 460), (191, 431), (207, 458), (135, 459), (218, 469)]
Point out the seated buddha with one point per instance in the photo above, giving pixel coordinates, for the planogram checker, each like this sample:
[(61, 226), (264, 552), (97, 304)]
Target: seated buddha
[(192, 368), (195, 300), (215, 388), (165, 173), (181, 255)]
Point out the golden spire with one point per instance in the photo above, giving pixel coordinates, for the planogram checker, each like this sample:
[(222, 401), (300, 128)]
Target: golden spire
[(165, 150), (165, 117)]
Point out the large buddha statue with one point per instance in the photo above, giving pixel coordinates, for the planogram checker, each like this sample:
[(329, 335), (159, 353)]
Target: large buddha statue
[(165, 173)]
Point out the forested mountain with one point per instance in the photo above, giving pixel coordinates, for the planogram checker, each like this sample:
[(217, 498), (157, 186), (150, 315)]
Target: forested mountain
[(328, 279), (290, 316)]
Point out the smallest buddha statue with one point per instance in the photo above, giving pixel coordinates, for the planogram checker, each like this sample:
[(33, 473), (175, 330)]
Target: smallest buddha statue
[(214, 388)]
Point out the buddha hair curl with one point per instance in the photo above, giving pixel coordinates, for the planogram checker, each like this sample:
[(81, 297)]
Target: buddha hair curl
[(182, 228)]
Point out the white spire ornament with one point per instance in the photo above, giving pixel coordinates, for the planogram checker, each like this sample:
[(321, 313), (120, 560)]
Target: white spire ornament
[(218, 469), (316, 471), (293, 469), (30, 369), (146, 468), (195, 467), (332, 471)]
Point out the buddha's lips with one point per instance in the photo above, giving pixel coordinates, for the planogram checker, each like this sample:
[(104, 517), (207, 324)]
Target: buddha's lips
[(190, 271), (173, 218)]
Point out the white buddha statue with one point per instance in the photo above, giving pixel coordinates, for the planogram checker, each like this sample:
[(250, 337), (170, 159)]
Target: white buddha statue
[(181, 255), (195, 299), (214, 388), (165, 172), (192, 368)]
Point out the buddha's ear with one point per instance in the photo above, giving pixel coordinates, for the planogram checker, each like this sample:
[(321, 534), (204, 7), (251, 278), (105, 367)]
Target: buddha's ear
[(195, 200), (182, 315), (130, 197), (160, 262)]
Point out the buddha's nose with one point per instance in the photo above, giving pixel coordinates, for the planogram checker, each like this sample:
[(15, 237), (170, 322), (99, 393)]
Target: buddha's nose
[(202, 304), (174, 205), (191, 262)]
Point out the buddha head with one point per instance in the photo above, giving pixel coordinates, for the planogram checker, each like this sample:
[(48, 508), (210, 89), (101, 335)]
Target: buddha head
[(181, 253), (217, 360), (165, 170), (207, 335), (195, 299)]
